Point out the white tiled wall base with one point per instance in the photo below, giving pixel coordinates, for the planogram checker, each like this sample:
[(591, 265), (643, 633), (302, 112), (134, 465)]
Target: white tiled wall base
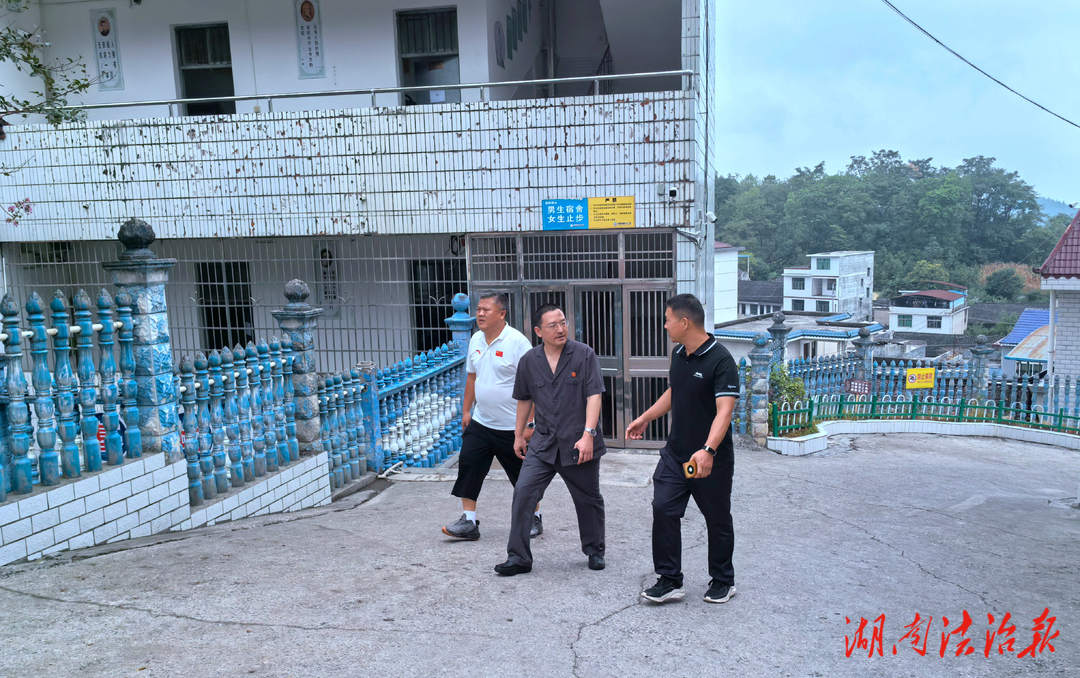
[(296, 487), (819, 441), (141, 498)]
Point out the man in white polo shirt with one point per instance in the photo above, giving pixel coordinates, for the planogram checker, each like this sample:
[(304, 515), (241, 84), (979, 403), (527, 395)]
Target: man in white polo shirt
[(491, 366)]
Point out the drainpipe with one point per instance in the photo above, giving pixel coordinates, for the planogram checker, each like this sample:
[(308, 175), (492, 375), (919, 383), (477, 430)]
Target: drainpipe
[(1052, 347)]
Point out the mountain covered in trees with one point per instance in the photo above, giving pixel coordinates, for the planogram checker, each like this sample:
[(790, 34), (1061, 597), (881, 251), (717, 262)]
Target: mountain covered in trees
[(962, 224)]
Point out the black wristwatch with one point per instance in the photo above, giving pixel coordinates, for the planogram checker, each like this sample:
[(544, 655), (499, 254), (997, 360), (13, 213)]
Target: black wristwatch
[(710, 450)]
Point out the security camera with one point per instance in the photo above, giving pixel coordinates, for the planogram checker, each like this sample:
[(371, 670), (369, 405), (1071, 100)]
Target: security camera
[(673, 192), (710, 217)]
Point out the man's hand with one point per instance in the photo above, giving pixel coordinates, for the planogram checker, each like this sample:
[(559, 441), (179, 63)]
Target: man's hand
[(466, 417), (703, 460), (520, 446), (529, 433), (584, 448), (636, 429)]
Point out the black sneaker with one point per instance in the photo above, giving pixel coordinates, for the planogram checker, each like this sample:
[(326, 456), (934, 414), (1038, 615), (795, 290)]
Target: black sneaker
[(719, 593), (537, 526), (463, 529), (665, 588)]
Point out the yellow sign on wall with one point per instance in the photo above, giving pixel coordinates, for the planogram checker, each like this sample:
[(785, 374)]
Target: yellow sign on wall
[(611, 212), (920, 377)]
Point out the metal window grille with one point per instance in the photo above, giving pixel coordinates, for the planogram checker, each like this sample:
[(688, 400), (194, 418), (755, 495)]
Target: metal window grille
[(647, 336), (650, 255), (494, 258), (391, 302), (571, 257), (427, 33)]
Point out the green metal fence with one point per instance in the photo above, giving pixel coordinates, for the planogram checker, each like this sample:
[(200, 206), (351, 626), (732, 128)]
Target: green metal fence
[(789, 417)]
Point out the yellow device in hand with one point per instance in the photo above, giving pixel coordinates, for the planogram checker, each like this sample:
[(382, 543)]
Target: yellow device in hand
[(690, 469)]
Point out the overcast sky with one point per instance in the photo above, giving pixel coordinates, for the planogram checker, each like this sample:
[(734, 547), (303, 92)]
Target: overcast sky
[(802, 81)]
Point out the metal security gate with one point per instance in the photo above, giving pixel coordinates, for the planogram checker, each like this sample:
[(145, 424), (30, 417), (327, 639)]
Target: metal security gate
[(612, 287)]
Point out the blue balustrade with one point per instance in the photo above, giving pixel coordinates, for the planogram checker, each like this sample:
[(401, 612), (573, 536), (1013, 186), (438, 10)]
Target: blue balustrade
[(70, 464), (243, 394), (44, 406), (191, 431), (129, 388), (266, 396), (217, 423), (232, 418)]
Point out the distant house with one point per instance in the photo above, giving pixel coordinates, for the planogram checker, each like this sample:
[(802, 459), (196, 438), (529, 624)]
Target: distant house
[(812, 334), (1061, 277), (929, 312), (725, 282), (757, 297), (1030, 356), (834, 282)]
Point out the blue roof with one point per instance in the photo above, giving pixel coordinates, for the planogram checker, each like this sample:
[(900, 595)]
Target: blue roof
[(1029, 321)]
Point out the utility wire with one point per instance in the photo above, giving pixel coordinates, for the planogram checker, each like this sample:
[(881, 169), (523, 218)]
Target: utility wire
[(951, 51)]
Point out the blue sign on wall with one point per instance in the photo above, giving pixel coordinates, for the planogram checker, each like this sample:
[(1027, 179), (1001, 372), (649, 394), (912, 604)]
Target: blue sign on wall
[(565, 215)]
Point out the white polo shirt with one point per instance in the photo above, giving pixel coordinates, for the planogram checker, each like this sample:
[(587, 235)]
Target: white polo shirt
[(495, 367)]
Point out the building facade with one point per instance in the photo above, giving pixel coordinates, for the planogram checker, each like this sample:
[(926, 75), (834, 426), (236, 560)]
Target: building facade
[(834, 282), (1061, 277), (929, 312), (392, 185), (725, 282)]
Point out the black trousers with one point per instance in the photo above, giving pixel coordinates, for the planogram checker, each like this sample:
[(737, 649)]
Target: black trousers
[(479, 445), (671, 493), (583, 482)]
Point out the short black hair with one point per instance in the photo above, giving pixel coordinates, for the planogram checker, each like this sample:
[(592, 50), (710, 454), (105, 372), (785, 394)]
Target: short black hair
[(501, 300), (687, 306), (538, 314)]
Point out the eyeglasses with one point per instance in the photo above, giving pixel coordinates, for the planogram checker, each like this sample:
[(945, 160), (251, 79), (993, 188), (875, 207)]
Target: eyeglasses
[(554, 326)]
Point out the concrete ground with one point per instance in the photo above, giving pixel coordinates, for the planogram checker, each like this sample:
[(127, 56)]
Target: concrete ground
[(877, 525)]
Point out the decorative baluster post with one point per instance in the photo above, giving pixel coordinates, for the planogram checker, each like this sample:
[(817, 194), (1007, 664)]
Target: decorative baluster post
[(327, 447), (340, 475), (143, 276), (340, 426), (217, 423), (350, 423), (110, 392), (128, 388), (277, 373), (18, 412), (202, 410), (267, 397), (191, 431), (371, 412), (87, 383), (298, 321), (232, 418), (258, 439), (362, 449), (65, 387), (44, 407), (247, 454), (290, 402), (760, 364), (980, 353)]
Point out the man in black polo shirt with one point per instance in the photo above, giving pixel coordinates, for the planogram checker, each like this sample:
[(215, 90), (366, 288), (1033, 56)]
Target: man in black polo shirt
[(704, 385)]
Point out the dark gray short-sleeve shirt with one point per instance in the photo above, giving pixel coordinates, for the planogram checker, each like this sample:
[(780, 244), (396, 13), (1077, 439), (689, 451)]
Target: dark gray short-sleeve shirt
[(560, 399)]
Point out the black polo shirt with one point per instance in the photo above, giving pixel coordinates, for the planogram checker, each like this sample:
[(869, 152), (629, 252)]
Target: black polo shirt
[(697, 380)]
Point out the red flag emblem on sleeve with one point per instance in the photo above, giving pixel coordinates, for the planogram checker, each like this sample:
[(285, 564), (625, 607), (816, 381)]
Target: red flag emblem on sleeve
[(498, 354)]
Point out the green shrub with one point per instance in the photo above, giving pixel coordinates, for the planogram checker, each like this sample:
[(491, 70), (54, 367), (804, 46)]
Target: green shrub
[(784, 388)]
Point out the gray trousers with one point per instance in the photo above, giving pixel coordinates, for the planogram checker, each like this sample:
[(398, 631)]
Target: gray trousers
[(584, 484)]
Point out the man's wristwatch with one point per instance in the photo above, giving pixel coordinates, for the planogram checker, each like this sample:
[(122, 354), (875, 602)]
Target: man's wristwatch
[(591, 431), (710, 450), (531, 424)]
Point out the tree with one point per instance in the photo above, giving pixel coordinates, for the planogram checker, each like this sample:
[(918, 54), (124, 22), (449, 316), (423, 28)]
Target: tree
[(924, 271), (1004, 284), (60, 79)]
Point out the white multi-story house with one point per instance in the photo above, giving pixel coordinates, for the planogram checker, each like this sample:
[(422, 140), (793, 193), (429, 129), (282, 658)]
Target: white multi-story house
[(725, 282), (929, 312), (390, 154), (834, 282)]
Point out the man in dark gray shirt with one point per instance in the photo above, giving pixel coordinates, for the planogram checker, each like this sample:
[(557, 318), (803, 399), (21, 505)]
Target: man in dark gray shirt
[(562, 379)]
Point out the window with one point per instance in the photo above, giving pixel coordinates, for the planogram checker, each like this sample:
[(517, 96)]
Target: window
[(798, 283), (798, 305), (434, 283), (225, 303), (903, 321), (428, 49), (753, 309), (867, 292), (830, 285), (205, 64), (822, 307), (933, 322), (868, 272), (824, 264)]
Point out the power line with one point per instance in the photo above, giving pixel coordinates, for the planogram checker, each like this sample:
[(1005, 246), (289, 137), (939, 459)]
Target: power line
[(951, 51)]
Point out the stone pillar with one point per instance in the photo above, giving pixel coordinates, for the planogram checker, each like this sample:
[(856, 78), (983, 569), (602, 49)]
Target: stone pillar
[(864, 350), (779, 332), (143, 276), (298, 321), (760, 366), (980, 353), (461, 323)]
